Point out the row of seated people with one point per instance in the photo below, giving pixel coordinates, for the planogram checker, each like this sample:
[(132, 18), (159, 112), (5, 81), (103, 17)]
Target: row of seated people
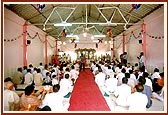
[(128, 89), (52, 95)]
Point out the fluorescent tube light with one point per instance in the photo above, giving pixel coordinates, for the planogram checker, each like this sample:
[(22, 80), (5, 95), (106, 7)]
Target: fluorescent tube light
[(100, 36), (62, 24)]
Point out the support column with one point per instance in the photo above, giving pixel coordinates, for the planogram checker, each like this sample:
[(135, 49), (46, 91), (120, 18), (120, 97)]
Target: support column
[(113, 48), (144, 41), (46, 57), (24, 45), (123, 43), (56, 52), (56, 46)]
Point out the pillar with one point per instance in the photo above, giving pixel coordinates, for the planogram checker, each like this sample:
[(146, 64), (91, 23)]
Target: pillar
[(46, 48), (144, 41), (25, 44), (123, 43)]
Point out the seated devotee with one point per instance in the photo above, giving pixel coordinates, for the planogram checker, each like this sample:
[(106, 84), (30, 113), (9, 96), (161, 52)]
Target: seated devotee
[(95, 71), (109, 72), (74, 74), (54, 80), (41, 67), (17, 78), (136, 67), (55, 67), (158, 88), (47, 80), (29, 101), (122, 92), (38, 78), (67, 71), (55, 100), (131, 82), (53, 73), (65, 85), (155, 75), (28, 77), (45, 70), (148, 80), (110, 84), (120, 76), (137, 101), (132, 76), (118, 69), (11, 98), (147, 91), (100, 78)]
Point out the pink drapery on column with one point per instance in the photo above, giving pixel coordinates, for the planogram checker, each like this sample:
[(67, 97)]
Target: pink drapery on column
[(144, 41), (46, 57), (113, 48), (24, 45), (123, 43)]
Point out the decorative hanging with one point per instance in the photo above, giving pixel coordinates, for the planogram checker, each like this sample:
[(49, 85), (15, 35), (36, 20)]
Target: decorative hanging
[(96, 45), (136, 7), (75, 46), (140, 35), (108, 32), (100, 40), (63, 33), (40, 7), (72, 40)]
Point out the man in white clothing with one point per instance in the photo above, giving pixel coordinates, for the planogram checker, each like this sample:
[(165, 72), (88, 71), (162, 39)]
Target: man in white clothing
[(141, 59), (74, 73), (38, 78), (122, 92), (28, 77), (55, 100), (11, 98), (137, 101), (110, 85), (100, 78), (65, 85)]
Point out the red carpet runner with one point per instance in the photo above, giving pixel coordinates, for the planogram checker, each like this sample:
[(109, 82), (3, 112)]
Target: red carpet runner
[(86, 95)]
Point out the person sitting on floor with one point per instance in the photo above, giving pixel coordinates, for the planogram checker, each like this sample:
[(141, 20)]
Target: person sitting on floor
[(122, 92), (12, 100), (55, 100), (158, 88), (155, 75), (137, 101), (29, 100), (100, 78), (28, 77), (74, 74), (47, 80), (17, 78), (110, 85), (65, 85), (38, 78), (147, 91), (54, 80)]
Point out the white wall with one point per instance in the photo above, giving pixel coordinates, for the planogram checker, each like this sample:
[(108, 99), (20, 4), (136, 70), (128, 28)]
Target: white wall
[(13, 50), (154, 47)]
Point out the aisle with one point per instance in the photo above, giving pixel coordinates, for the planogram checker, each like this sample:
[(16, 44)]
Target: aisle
[(86, 96)]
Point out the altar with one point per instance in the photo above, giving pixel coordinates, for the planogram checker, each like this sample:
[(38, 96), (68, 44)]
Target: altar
[(88, 53)]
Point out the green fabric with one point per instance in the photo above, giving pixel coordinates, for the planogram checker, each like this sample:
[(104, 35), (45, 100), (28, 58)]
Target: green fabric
[(68, 95), (105, 94)]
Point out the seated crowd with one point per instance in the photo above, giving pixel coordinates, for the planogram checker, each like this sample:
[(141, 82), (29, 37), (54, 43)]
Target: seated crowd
[(129, 87), (126, 85), (55, 84)]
